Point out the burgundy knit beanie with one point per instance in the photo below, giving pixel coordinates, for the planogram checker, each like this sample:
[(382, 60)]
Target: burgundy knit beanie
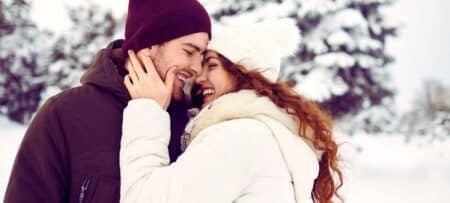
[(151, 22)]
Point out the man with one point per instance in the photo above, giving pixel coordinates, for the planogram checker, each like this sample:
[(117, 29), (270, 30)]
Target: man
[(70, 152)]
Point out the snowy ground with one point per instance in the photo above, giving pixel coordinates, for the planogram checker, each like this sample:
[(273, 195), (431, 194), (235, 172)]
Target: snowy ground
[(10, 136), (380, 168), (386, 169)]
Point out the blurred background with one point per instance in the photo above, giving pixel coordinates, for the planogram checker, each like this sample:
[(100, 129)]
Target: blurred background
[(380, 67)]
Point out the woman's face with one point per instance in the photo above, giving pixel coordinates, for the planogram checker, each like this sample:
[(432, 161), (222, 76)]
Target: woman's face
[(213, 81)]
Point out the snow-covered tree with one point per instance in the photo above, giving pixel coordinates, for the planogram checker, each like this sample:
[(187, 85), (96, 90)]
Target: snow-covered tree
[(342, 61), (24, 58), (93, 28), (430, 114), (33, 62)]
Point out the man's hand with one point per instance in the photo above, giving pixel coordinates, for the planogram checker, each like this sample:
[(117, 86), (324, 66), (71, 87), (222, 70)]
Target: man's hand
[(146, 83)]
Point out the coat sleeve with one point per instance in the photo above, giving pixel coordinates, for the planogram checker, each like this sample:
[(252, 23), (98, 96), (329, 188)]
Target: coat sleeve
[(40, 170), (214, 168)]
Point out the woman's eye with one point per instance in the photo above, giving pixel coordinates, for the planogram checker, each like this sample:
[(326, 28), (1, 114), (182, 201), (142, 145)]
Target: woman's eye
[(212, 65)]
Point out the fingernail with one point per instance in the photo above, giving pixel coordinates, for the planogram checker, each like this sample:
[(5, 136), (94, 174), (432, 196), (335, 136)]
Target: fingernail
[(130, 52)]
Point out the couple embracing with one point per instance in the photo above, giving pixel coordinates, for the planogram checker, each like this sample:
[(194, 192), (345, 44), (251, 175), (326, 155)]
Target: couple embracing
[(175, 113)]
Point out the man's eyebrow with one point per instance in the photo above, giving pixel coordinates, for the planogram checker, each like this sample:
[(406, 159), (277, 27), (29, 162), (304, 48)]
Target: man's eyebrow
[(193, 46)]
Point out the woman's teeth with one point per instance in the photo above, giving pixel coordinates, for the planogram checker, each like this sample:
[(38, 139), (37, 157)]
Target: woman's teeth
[(208, 92)]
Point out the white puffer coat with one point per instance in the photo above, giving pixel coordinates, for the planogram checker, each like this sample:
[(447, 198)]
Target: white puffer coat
[(242, 148)]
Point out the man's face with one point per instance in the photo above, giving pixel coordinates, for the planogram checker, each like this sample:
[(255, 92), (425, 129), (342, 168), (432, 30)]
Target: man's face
[(184, 54)]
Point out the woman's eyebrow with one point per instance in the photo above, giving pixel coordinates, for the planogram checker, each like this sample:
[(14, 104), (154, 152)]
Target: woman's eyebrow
[(205, 60)]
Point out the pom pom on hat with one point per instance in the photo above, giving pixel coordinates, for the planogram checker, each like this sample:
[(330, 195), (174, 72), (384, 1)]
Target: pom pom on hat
[(258, 46)]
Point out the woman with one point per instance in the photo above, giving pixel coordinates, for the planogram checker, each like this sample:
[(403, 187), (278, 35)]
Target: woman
[(254, 139)]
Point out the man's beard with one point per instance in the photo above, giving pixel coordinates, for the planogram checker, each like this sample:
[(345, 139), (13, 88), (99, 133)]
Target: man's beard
[(177, 91), (159, 62)]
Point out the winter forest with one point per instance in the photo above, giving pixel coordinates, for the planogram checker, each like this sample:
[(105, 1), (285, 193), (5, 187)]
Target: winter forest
[(344, 63)]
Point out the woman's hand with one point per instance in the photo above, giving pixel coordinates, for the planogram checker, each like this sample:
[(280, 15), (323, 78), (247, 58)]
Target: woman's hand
[(147, 83)]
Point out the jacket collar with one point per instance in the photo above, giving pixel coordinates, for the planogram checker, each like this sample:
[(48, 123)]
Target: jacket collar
[(107, 71)]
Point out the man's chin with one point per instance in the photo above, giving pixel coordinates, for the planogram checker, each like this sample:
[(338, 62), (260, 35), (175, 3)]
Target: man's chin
[(178, 95)]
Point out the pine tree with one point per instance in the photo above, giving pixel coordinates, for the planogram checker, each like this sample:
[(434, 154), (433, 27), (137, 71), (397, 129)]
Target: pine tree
[(23, 61), (93, 28), (341, 62), (33, 62), (430, 115)]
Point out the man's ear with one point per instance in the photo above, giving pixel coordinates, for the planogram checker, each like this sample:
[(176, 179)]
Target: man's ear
[(146, 52)]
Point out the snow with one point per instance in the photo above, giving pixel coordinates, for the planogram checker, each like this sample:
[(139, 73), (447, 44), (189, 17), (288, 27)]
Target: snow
[(317, 7), (388, 169), (378, 168), (367, 44), (55, 18), (315, 45), (318, 86), (335, 59), (10, 136), (368, 61), (269, 11), (52, 17), (350, 18), (340, 38)]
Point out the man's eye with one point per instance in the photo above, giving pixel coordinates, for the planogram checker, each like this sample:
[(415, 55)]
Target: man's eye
[(190, 53)]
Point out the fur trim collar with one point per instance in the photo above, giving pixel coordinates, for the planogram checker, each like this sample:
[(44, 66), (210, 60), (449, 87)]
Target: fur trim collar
[(242, 104)]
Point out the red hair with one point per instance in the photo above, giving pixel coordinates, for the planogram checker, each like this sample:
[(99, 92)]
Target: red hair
[(312, 120)]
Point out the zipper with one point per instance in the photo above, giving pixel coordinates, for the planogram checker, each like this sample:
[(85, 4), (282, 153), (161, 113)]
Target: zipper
[(84, 188)]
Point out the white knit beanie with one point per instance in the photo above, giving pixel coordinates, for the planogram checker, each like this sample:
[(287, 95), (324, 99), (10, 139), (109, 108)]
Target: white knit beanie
[(258, 46)]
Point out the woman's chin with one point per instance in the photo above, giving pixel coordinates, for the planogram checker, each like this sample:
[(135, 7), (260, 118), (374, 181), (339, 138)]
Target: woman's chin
[(207, 100)]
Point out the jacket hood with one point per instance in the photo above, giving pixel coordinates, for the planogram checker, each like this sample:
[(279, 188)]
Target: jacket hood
[(106, 72)]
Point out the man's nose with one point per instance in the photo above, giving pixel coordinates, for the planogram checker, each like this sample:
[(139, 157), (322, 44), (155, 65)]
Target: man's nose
[(196, 66)]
